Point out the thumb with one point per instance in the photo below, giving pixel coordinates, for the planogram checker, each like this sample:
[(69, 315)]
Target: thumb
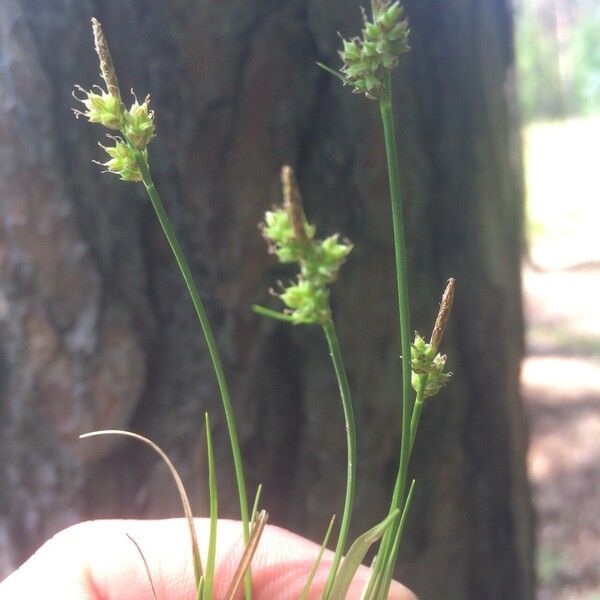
[(97, 559)]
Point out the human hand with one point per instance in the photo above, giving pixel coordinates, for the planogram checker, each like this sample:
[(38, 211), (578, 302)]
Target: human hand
[(96, 560)]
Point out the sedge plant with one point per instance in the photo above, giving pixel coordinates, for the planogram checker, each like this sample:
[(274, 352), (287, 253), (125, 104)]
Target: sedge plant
[(128, 159), (367, 65), (368, 61)]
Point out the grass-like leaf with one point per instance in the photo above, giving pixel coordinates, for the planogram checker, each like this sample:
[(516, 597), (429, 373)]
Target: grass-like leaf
[(187, 509), (244, 564), (272, 314), (333, 72), (146, 566), (214, 513), (313, 571), (356, 555), (391, 560), (256, 501)]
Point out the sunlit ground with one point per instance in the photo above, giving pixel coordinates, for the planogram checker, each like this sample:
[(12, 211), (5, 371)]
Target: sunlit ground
[(563, 186), (561, 373)]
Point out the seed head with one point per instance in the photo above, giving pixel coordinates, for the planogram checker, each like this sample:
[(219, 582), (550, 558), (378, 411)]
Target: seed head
[(291, 238), (292, 203), (366, 59), (107, 68), (442, 318)]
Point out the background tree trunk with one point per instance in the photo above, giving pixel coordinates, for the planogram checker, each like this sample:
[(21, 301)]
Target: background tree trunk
[(97, 330)]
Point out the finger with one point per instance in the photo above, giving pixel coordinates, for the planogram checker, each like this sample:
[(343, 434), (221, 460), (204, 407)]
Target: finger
[(97, 560)]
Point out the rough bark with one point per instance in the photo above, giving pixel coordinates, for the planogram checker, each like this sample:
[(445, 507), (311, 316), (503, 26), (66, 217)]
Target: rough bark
[(97, 330)]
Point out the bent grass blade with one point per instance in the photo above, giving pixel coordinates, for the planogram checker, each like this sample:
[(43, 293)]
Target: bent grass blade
[(187, 509)]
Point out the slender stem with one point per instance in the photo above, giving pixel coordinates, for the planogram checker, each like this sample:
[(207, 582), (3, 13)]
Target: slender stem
[(208, 335), (340, 371), (391, 150), (317, 562), (417, 408), (389, 560), (389, 568)]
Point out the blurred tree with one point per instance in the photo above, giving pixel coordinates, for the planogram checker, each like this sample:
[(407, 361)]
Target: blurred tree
[(97, 330)]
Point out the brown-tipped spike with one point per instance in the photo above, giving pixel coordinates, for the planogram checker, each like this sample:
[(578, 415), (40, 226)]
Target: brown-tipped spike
[(443, 314), (106, 64), (292, 202)]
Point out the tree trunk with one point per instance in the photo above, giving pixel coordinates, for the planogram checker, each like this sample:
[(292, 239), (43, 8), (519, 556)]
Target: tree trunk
[(97, 329)]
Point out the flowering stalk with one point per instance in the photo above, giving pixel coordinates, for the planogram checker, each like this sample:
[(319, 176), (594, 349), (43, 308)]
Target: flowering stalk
[(186, 273), (128, 159), (292, 239), (367, 64)]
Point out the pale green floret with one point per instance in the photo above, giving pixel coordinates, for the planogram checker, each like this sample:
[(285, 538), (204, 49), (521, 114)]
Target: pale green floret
[(309, 302), (101, 108), (436, 378), (351, 50), (325, 259), (421, 355), (122, 162), (425, 362), (139, 124), (277, 227), (279, 231)]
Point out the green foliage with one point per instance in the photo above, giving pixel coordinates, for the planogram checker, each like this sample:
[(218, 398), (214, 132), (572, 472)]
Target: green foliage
[(356, 554), (586, 63), (367, 65), (558, 75), (129, 160)]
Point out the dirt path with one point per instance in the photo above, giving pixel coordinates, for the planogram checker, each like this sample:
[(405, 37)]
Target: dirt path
[(561, 386)]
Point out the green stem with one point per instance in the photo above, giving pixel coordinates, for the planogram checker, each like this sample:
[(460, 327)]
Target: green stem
[(391, 149), (384, 578), (340, 371), (389, 568), (208, 335), (417, 408)]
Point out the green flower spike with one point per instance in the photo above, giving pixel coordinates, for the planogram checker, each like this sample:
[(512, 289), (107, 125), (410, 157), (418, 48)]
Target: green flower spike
[(122, 161), (139, 123), (100, 107), (367, 59), (106, 107), (425, 359), (291, 239)]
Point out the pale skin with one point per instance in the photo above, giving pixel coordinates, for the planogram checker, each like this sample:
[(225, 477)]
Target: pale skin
[(97, 560)]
